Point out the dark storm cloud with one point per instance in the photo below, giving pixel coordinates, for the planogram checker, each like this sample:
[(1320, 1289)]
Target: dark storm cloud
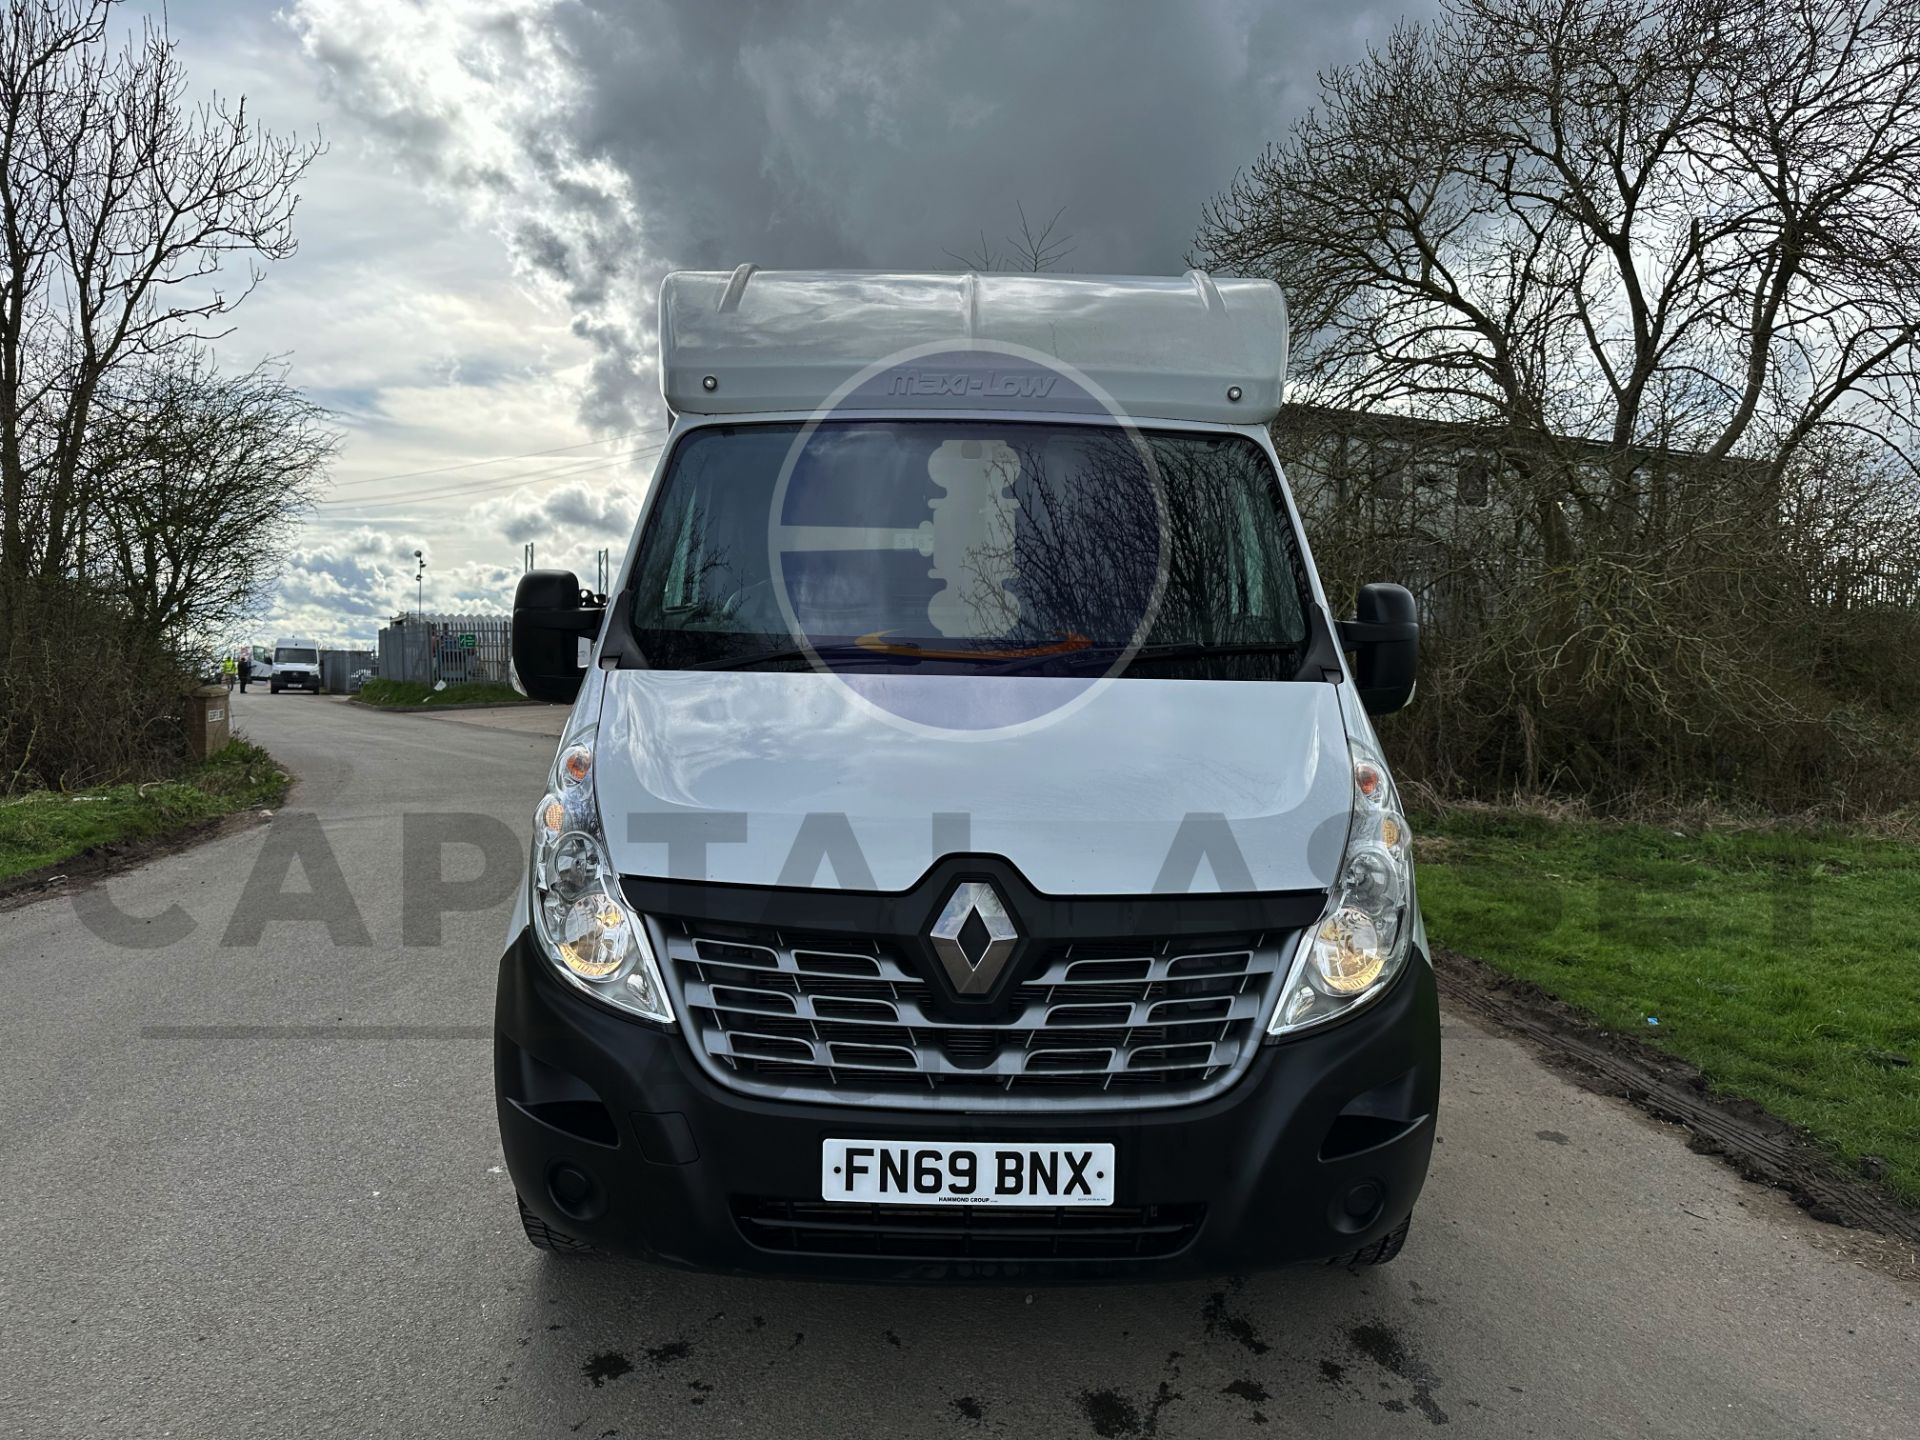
[(859, 134), (884, 134)]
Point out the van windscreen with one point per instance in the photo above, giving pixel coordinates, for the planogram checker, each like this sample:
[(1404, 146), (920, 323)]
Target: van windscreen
[(964, 545), (296, 657)]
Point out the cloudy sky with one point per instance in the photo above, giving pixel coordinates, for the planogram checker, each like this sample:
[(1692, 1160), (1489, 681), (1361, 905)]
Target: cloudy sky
[(507, 180)]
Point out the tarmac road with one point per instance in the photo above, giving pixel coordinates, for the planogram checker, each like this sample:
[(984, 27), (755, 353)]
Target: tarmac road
[(255, 1189)]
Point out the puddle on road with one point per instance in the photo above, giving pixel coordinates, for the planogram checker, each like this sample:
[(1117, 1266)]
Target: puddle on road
[(1333, 1353)]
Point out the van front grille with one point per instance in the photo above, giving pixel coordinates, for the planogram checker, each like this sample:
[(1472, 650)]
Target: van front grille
[(1135, 1022), (935, 1232)]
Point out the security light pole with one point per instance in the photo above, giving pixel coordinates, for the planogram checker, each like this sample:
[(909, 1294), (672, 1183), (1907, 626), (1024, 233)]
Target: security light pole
[(420, 586)]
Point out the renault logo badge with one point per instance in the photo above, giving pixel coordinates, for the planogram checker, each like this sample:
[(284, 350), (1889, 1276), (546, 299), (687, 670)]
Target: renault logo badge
[(974, 937)]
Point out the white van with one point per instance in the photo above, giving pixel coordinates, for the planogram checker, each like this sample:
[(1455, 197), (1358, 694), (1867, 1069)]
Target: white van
[(969, 853), (296, 665)]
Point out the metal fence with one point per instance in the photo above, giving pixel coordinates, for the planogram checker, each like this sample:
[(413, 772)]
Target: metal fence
[(453, 648), (1848, 583), (337, 668)]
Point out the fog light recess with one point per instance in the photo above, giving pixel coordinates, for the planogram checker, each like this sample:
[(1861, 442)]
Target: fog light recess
[(574, 1192), (1357, 1207)]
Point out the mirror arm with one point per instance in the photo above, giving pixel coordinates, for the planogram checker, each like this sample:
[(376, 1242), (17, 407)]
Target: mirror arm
[(583, 621), (1355, 633)]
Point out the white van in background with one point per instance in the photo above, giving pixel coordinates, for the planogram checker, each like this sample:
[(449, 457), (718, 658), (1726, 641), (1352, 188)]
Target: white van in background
[(296, 665)]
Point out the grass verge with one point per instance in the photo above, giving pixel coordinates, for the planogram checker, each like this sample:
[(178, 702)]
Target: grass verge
[(42, 828), (412, 695), (1786, 965)]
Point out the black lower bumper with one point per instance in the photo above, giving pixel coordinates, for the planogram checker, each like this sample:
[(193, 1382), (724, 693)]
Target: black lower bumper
[(615, 1135)]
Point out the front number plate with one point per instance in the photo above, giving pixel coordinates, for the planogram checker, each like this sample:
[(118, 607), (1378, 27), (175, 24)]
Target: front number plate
[(915, 1172)]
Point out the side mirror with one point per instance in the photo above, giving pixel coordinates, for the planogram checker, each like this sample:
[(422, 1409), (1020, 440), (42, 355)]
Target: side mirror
[(1384, 639), (554, 625)]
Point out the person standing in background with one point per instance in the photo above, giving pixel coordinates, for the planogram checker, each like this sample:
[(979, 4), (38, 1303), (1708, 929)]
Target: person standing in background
[(246, 669)]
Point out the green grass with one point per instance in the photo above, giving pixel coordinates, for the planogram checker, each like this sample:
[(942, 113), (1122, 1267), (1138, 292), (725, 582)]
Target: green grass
[(410, 694), (43, 828), (1785, 965)]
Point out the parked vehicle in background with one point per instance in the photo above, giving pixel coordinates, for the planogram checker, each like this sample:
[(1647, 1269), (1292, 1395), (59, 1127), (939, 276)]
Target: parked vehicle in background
[(969, 854), (296, 666)]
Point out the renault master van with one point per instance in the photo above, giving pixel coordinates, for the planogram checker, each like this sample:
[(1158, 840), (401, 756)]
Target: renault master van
[(969, 853)]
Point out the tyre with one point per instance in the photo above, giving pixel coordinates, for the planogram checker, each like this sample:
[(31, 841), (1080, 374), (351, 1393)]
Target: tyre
[(273, 686), (543, 1236), (1381, 1250)]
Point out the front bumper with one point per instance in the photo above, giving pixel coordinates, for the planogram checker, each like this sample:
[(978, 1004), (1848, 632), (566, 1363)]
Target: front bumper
[(615, 1135)]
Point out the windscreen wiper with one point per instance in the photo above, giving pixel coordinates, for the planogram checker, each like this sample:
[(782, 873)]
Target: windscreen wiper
[(1066, 659), (1101, 655), (789, 653)]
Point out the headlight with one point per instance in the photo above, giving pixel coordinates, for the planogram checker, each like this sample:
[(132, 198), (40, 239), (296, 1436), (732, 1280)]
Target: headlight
[(582, 922), (1363, 939)]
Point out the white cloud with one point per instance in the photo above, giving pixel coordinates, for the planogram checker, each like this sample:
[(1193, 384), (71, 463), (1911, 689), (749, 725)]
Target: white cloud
[(571, 513), (340, 589), (405, 313), (508, 179), (477, 99)]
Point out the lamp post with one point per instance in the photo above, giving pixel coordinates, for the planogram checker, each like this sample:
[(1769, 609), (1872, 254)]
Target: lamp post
[(424, 641)]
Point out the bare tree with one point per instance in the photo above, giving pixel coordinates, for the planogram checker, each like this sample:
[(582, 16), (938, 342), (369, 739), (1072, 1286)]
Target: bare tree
[(1658, 262), (1031, 250), (200, 480), (132, 221), (1684, 223)]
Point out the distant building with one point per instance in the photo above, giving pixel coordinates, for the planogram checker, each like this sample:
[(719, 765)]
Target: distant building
[(1451, 509)]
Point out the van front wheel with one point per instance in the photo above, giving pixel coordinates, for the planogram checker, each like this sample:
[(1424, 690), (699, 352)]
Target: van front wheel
[(543, 1236), (1381, 1250)]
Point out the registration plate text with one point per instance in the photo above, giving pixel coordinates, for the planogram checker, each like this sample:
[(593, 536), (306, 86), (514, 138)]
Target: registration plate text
[(897, 1172)]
